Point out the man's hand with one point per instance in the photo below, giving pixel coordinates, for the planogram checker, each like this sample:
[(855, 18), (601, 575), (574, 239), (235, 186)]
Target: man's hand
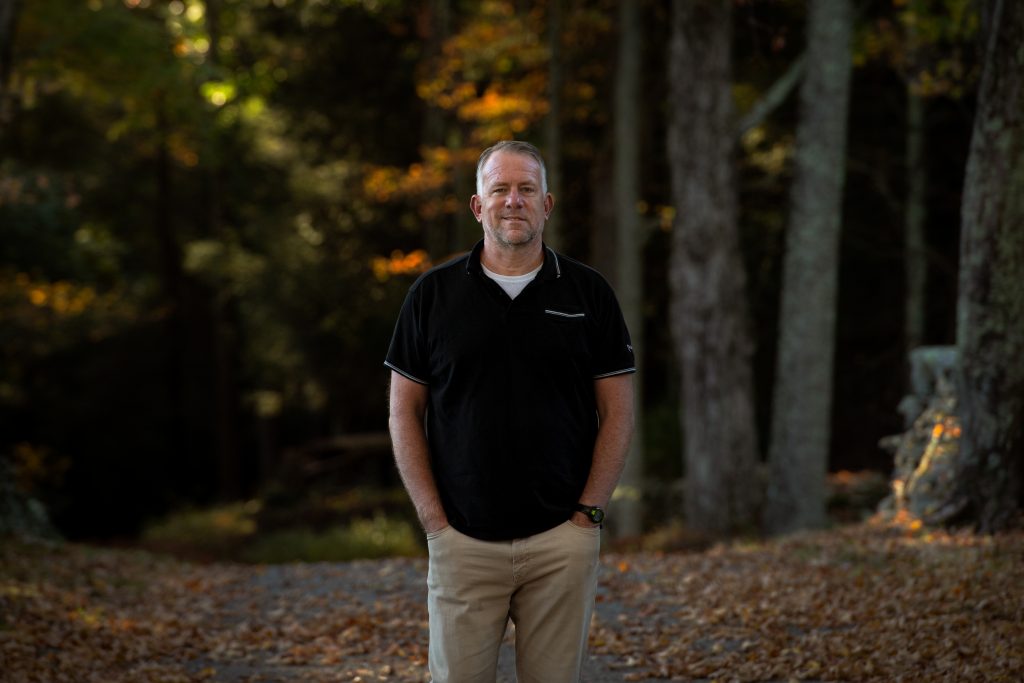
[(580, 519)]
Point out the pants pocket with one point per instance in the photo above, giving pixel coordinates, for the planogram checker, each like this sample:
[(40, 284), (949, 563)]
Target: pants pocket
[(433, 535)]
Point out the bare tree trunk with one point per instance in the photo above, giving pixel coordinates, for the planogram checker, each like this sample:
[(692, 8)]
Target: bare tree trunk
[(601, 238), (915, 255), (990, 308), (173, 282), (9, 10), (552, 124), (629, 281), (224, 327), (801, 409), (709, 318), (915, 258), (434, 28)]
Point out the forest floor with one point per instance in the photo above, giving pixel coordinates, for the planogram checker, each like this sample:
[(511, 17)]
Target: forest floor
[(867, 602)]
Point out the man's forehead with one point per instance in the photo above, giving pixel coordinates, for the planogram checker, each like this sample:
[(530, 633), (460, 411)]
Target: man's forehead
[(502, 165)]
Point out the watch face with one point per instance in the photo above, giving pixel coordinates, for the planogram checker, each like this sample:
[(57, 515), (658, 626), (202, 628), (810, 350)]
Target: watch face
[(596, 515)]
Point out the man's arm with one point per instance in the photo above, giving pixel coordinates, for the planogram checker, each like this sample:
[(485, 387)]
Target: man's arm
[(615, 409), (408, 408)]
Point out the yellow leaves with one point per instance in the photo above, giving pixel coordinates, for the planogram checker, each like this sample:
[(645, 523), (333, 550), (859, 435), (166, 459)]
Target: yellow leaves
[(62, 297), (400, 263), (387, 182), (929, 42), (425, 184), (511, 110), (770, 156), (492, 74)]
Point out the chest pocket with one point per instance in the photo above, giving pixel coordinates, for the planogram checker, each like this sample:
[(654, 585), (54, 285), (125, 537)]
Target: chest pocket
[(566, 335), (566, 313)]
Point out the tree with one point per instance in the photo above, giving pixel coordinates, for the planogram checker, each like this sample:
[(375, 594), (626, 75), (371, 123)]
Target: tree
[(553, 120), (8, 20), (628, 232), (926, 43), (801, 409), (990, 307), (708, 314)]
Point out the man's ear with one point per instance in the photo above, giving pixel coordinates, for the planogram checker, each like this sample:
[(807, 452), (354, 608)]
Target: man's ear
[(476, 206), (549, 204)]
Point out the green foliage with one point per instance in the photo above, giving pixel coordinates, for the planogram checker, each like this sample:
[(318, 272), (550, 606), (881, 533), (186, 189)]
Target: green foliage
[(206, 529), (256, 532), (362, 538), (931, 43)]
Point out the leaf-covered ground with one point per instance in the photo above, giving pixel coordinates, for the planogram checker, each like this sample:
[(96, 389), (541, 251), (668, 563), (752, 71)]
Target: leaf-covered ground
[(864, 603)]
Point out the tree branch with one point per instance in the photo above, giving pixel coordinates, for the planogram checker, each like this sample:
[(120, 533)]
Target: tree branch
[(775, 96)]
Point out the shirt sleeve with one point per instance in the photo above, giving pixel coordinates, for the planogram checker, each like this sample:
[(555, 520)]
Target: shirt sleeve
[(614, 348), (407, 354)]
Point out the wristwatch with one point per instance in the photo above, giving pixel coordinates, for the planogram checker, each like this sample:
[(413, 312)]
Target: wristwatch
[(593, 513)]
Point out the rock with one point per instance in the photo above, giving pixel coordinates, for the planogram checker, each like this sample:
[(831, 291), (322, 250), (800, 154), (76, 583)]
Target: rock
[(925, 455), (21, 516)]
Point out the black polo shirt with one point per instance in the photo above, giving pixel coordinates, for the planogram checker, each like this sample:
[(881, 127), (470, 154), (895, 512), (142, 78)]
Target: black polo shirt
[(512, 417)]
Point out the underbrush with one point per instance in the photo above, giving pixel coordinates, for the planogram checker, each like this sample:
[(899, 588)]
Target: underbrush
[(321, 527)]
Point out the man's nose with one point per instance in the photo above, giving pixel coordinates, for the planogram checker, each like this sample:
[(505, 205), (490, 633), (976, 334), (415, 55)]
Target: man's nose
[(514, 198)]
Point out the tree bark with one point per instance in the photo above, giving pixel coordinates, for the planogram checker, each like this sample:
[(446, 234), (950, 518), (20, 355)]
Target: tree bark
[(990, 307), (709, 318), (553, 122), (9, 10), (434, 28), (224, 328), (629, 281), (801, 407), (915, 256)]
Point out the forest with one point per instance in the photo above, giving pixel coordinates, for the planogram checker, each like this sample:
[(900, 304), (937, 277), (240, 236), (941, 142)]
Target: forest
[(811, 212), (212, 210)]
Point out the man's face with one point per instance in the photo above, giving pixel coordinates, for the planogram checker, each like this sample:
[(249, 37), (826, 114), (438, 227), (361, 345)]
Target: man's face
[(512, 207)]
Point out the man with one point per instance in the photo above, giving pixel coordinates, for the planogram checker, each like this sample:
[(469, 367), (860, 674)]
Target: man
[(511, 414)]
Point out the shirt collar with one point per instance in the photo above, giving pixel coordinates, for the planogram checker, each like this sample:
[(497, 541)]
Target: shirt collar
[(551, 270)]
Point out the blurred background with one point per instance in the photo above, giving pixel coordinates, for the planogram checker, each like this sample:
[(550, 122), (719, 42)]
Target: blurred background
[(210, 212)]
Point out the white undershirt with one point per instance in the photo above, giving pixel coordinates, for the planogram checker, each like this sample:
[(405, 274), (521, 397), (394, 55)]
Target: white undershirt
[(512, 284)]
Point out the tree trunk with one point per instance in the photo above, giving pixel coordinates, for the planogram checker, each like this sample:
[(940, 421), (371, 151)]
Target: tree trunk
[(8, 20), (990, 308), (552, 124), (224, 328), (172, 280), (629, 280), (434, 28), (915, 254), (801, 408), (709, 319)]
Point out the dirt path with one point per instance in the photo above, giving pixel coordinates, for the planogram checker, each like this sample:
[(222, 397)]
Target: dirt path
[(865, 603), (392, 591)]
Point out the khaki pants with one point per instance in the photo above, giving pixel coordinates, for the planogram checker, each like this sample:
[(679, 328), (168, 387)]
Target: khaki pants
[(544, 583)]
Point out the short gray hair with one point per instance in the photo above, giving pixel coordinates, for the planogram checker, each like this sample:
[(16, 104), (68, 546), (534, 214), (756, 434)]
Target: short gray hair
[(516, 147)]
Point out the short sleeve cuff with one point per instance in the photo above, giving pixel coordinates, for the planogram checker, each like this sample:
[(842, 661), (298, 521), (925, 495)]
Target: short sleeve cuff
[(405, 374)]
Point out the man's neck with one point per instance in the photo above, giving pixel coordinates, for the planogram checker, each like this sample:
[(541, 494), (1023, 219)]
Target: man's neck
[(512, 261)]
